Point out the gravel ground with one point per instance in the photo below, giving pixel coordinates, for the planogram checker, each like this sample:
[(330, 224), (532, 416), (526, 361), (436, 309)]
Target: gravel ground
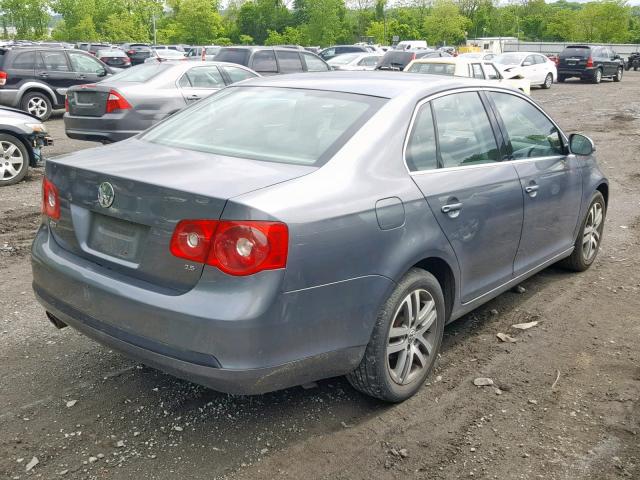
[(565, 407)]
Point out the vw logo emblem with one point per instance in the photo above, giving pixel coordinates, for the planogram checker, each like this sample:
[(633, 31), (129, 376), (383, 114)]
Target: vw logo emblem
[(105, 194)]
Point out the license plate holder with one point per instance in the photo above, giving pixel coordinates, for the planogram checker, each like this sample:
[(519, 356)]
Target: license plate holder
[(117, 238)]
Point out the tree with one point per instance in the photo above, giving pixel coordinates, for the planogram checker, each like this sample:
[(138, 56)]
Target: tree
[(445, 24), (326, 19), (29, 17)]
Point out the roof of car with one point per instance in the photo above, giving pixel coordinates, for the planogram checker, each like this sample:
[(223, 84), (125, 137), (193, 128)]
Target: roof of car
[(376, 84)]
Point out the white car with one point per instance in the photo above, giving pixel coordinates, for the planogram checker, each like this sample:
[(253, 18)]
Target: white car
[(535, 67), (463, 67), (355, 61), (488, 56)]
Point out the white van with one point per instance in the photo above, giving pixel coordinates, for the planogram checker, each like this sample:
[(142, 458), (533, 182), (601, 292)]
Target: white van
[(411, 44)]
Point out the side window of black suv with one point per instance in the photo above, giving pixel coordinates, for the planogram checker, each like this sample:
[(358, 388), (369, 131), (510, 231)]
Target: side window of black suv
[(24, 60)]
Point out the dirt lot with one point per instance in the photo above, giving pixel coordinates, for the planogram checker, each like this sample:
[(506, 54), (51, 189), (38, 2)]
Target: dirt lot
[(570, 386)]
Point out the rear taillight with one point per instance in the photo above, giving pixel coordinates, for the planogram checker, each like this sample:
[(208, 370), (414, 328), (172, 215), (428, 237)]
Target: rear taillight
[(3, 78), (235, 247), (130, 52), (50, 199), (66, 103), (116, 101), (590, 62), (127, 60)]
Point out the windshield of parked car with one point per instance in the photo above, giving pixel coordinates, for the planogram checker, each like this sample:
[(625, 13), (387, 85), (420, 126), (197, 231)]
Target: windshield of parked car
[(433, 68), (168, 53), (343, 59), (140, 73), (111, 53), (286, 125), (508, 59), (578, 51)]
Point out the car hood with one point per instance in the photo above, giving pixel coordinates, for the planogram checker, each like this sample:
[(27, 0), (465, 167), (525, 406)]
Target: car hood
[(15, 116)]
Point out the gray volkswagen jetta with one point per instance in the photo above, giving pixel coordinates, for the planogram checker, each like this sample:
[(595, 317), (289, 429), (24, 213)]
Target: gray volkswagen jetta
[(270, 235)]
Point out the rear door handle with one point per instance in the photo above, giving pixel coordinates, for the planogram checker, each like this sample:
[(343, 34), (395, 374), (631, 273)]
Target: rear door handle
[(193, 97), (43, 74), (81, 77), (531, 188)]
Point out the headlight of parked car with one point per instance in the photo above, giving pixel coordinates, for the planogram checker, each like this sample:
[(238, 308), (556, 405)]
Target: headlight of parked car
[(36, 127)]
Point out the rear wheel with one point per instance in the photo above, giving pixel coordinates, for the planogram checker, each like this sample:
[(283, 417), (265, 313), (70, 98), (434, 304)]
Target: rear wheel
[(548, 81), (587, 244), (597, 76), (14, 160), (405, 341), (618, 75), (38, 104)]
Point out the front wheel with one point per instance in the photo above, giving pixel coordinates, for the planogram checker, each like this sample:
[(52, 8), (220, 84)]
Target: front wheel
[(405, 341), (548, 81), (618, 75), (14, 160), (587, 244)]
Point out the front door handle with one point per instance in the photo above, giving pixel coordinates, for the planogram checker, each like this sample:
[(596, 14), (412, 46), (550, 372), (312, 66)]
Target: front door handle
[(193, 97), (452, 209), (531, 189), (43, 74), (81, 77)]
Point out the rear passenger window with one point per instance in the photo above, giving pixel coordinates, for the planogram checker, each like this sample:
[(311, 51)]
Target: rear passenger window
[(368, 62), (421, 147), (205, 77), (55, 61), (465, 136), (238, 74), (477, 71), (530, 132), (289, 62), (491, 71), (265, 61), (25, 61), (314, 64)]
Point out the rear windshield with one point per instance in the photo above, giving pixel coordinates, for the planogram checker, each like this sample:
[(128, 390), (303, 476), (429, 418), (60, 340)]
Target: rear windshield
[(396, 59), (141, 73), (296, 126), (111, 53), (233, 55), (433, 68), (576, 52)]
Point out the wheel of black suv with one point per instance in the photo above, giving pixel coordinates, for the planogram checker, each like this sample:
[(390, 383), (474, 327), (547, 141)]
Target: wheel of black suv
[(37, 104), (548, 81), (597, 76), (405, 341), (618, 75), (14, 160), (588, 242)]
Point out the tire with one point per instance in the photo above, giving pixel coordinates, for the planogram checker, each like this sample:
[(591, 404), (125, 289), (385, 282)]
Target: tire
[(381, 374), (38, 104), (596, 76), (561, 78), (618, 76), (14, 160), (548, 81), (579, 261), (635, 68)]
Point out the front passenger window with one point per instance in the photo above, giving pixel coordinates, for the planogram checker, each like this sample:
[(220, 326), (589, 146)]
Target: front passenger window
[(82, 63), (530, 132)]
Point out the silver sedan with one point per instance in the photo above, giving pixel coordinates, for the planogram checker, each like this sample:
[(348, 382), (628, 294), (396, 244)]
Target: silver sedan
[(131, 101)]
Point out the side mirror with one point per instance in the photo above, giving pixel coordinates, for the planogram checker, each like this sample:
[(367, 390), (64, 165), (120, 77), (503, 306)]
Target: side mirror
[(526, 64), (102, 73), (581, 144)]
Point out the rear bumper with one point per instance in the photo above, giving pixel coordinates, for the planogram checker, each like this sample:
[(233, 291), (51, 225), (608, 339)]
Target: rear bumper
[(577, 72), (111, 127), (9, 98), (240, 335)]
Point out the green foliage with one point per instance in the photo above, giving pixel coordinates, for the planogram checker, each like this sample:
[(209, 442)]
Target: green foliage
[(445, 24), (321, 22)]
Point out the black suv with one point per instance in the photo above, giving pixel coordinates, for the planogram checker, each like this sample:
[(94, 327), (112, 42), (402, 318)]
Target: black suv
[(273, 60), (36, 79), (398, 59), (589, 63)]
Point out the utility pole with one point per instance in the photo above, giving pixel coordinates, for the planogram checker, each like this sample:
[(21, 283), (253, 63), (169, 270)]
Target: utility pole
[(155, 40)]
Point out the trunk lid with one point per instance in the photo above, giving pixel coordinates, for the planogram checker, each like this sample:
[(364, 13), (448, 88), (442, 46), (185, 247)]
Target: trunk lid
[(154, 187), (88, 100)]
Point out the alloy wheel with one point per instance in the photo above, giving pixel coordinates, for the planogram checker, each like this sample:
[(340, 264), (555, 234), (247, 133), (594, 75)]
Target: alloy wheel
[(11, 160), (592, 232), (619, 74), (598, 75), (412, 337), (37, 106), (548, 81)]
